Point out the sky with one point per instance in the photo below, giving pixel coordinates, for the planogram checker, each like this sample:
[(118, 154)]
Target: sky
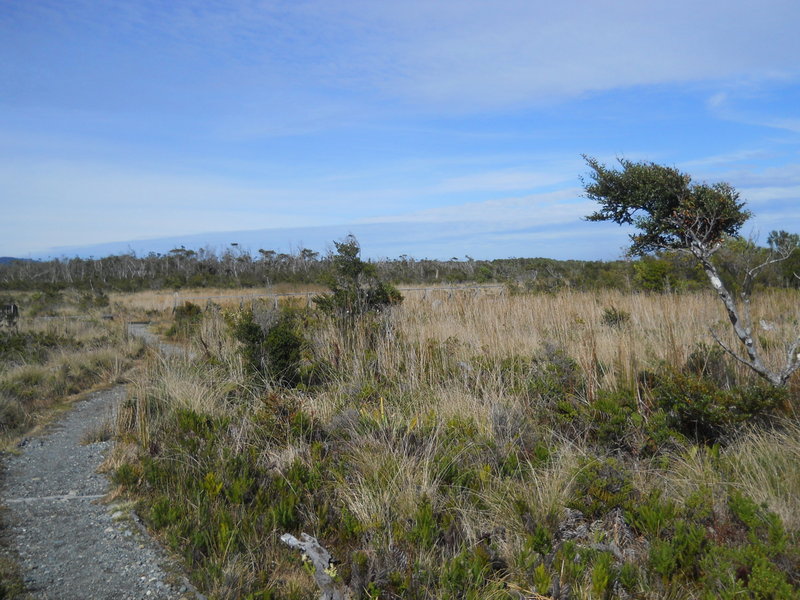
[(435, 128)]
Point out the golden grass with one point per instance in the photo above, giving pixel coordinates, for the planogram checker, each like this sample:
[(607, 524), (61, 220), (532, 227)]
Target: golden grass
[(765, 465), (434, 362), (166, 300)]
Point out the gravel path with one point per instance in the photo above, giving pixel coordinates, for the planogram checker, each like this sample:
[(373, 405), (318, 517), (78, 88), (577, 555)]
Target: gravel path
[(70, 545)]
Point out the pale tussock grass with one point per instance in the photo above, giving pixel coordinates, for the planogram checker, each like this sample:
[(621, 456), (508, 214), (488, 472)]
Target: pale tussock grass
[(765, 465), (390, 475), (199, 388)]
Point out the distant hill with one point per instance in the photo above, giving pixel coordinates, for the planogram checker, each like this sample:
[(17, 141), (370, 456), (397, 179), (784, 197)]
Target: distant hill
[(7, 259)]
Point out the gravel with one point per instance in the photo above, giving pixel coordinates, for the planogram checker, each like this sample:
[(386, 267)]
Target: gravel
[(68, 543)]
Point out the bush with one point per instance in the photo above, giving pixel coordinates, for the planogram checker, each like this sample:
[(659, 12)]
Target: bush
[(699, 409), (711, 362), (615, 317), (600, 486), (188, 317), (355, 287), (12, 416), (272, 346)]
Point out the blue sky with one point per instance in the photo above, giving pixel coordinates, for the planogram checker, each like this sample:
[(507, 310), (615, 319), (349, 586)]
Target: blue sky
[(432, 129)]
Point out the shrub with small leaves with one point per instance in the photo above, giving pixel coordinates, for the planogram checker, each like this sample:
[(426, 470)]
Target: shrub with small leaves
[(188, 317), (615, 317), (273, 347), (601, 485), (699, 409), (354, 284)]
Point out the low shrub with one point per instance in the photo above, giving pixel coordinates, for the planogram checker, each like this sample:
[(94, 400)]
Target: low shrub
[(615, 317), (271, 344), (701, 410), (601, 485), (187, 319)]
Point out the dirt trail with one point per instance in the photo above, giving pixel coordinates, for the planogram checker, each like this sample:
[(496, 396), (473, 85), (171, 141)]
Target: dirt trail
[(69, 545)]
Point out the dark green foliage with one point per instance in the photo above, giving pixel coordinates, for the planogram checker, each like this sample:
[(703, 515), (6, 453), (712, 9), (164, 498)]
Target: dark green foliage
[(469, 573), (680, 551), (188, 317), (283, 344), (615, 415), (615, 317), (712, 363), (31, 346), (652, 515), (664, 205), (355, 287), (272, 347), (93, 299), (600, 486), (554, 375), (654, 275), (743, 572), (126, 475), (699, 409), (44, 302), (425, 530)]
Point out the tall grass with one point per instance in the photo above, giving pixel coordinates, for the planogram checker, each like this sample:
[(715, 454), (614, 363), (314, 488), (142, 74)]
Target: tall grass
[(436, 447), (53, 358)]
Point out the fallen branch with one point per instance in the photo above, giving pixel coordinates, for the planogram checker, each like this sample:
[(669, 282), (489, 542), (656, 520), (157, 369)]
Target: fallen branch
[(320, 559)]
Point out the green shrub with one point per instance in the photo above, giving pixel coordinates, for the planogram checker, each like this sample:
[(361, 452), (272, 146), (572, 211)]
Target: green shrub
[(601, 485), (680, 551), (699, 409), (611, 417), (712, 363), (556, 375), (615, 317), (187, 319), (467, 574), (744, 572), (272, 347), (126, 475), (354, 284), (653, 515), (12, 416), (31, 346), (603, 575), (425, 529)]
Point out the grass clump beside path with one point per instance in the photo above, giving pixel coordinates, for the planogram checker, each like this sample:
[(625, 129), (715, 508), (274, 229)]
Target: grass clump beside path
[(471, 447), (62, 347)]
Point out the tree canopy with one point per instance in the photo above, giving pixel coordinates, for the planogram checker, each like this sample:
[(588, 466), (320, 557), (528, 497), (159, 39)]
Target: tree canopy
[(672, 213), (669, 211)]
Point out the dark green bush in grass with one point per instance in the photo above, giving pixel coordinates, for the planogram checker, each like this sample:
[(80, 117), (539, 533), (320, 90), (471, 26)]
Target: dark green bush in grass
[(701, 410), (355, 288), (272, 348), (188, 317)]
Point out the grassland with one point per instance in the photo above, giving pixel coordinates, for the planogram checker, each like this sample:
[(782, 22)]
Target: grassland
[(467, 445), (64, 345)]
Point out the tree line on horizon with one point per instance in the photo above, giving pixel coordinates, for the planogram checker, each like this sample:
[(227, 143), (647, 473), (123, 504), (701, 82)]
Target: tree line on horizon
[(667, 271)]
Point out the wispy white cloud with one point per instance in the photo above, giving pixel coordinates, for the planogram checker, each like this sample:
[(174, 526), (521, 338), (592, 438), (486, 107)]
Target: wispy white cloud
[(502, 180), (446, 56), (245, 114), (537, 209)]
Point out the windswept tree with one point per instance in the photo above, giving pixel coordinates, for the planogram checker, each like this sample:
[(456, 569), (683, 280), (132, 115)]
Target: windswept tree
[(670, 212)]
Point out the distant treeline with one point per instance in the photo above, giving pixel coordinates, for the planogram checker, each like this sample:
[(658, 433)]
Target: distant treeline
[(181, 268)]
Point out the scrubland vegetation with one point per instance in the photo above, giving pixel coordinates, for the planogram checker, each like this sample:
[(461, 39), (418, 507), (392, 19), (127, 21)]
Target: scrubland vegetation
[(468, 445), (62, 347), (588, 431), (182, 269)]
